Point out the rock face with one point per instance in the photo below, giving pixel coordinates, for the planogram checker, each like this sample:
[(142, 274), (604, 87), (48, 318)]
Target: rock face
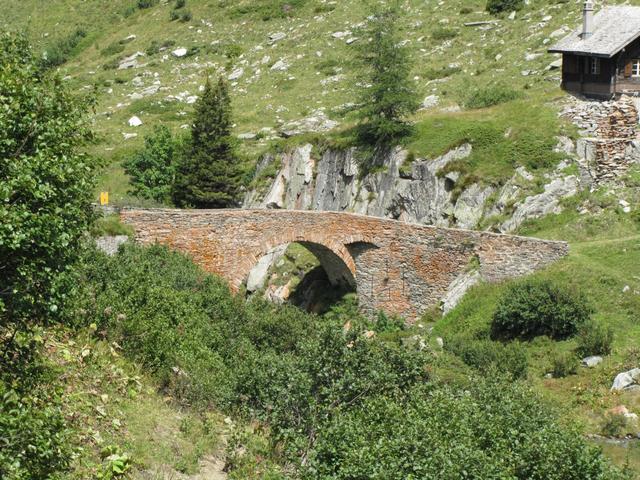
[(110, 244), (415, 192)]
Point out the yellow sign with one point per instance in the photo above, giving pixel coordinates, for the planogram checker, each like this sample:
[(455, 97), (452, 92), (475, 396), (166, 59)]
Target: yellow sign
[(104, 198)]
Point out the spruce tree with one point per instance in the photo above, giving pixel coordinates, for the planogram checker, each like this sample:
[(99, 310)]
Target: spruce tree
[(391, 96), (208, 172)]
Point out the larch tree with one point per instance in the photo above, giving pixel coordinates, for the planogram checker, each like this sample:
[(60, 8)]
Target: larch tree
[(208, 173)]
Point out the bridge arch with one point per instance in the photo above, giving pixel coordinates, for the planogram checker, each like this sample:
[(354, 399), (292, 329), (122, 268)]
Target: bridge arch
[(334, 256)]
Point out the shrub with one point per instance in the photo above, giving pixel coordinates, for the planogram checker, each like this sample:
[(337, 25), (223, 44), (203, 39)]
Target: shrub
[(60, 51), (46, 188), (442, 34), (152, 169), (490, 430), (180, 4), (490, 96), (533, 307), (466, 10), (186, 16), (614, 425), (564, 364), (142, 4), (498, 6), (35, 441), (487, 355), (594, 338), (174, 15)]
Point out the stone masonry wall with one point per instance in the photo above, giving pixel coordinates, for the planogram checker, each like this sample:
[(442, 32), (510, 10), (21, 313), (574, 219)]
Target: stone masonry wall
[(398, 267)]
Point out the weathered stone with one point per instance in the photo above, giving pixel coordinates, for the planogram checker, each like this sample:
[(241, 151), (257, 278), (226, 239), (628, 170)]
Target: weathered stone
[(592, 361), (396, 267), (110, 244), (625, 380)]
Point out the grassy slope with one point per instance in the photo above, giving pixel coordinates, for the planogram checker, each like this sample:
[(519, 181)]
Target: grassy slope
[(268, 98), (604, 258), (110, 402)]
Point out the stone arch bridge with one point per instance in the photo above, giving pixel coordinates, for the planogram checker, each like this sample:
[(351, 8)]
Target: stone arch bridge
[(396, 267)]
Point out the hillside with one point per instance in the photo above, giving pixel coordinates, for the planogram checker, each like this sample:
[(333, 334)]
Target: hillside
[(292, 60), (130, 383)]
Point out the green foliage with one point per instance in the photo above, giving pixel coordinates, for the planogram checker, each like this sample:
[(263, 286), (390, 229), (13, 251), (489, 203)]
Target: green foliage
[(142, 4), (614, 425), (61, 50), (594, 338), (337, 403), (34, 444), (110, 225), (115, 463), (491, 95), (489, 356), (208, 174), (152, 169), (392, 96), (490, 430), (442, 34), (186, 16), (498, 6), (267, 9), (532, 307), (563, 364), (46, 187)]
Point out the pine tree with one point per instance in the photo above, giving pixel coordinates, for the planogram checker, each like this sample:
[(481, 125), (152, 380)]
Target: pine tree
[(391, 96), (208, 173)]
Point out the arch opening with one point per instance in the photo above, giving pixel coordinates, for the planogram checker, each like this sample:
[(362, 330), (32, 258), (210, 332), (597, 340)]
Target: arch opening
[(306, 274)]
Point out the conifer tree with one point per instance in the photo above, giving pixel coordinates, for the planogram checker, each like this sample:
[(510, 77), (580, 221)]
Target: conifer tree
[(391, 96), (208, 172)]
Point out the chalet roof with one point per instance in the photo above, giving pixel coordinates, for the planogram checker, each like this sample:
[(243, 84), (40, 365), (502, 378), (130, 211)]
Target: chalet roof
[(614, 28)]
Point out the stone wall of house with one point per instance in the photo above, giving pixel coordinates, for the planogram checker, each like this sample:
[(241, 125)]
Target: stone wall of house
[(610, 141), (398, 267)]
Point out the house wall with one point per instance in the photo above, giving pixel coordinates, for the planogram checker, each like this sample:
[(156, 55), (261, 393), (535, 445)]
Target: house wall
[(577, 77), (624, 82)]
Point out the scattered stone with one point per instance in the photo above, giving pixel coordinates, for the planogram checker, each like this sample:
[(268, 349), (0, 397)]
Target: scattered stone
[(317, 122), (247, 136), (430, 102), (591, 361), (236, 74), (130, 61), (128, 136), (440, 342), (179, 52), (555, 65), (626, 289), (280, 66), (626, 380), (135, 121), (277, 36), (111, 244)]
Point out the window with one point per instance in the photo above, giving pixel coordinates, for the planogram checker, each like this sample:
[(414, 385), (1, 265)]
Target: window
[(594, 66), (635, 67)]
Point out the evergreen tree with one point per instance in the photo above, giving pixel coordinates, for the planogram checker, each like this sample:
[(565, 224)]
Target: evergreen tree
[(208, 173), (391, 96)]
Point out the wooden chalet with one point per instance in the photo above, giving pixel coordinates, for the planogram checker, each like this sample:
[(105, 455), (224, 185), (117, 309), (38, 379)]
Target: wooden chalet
[(602, 58)]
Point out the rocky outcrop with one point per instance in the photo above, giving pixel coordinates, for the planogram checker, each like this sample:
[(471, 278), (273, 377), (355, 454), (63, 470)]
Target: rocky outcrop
[(423, 191)]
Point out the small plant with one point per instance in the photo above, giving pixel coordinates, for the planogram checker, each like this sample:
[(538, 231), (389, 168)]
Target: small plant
[(532, 307), (115, 464), (142, 4), (594, 338), (486, 355), (174, 15), (186, 16), (614, 425), (466, 10), (564, 364), (180, 4), (491, 95), (442, 34), (498, 6)]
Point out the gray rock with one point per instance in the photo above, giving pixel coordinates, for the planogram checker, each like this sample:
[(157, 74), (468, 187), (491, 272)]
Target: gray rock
[(131, 61), (317, 122), (111, 244), (236, 74), (430, 102), (591, 361), (179, 52), (277, 36), (258, 276), (625, 380), (280, 66), (458, 288)]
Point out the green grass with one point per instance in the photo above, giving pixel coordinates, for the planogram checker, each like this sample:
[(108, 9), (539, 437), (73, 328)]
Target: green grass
[(227, 35)]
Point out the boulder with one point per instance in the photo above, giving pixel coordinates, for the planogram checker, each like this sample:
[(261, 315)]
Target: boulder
[(626, 380), (179, 52), (135, 121), (430, 102), (280, 66), (591, 361), (236, 74)]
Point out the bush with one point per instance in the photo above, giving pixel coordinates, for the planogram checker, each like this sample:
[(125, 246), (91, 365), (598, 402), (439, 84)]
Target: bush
[(152, 169), (142, 4), (60, 51), (35, 441), (487, 356), (564, 364), (490, 430), (614, 425), (442, 34), (180, 4), (186, 16), (594, 339), (490, 96), (531, 307), (46, 187), (498, 6)]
